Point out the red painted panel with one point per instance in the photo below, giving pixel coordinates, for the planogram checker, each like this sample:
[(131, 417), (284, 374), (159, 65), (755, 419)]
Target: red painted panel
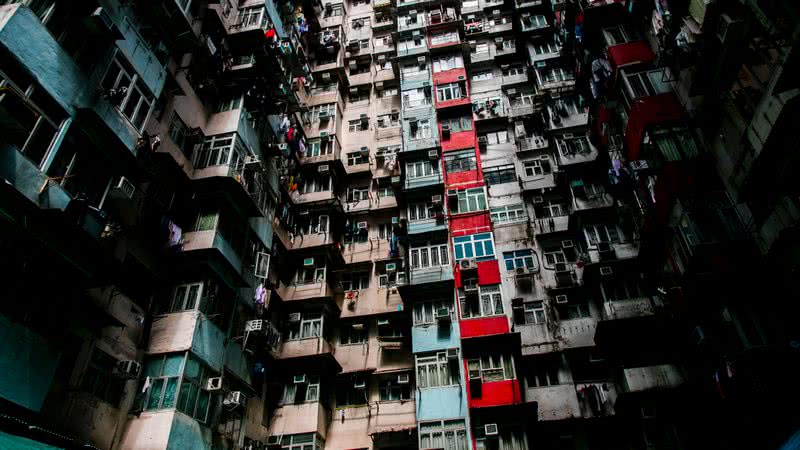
[(456, 102), (648, 111), (463, 177), (449, 76), (488, 272), (636, 52), (496, 393), (459, 141), (470, 223), (484, 326)]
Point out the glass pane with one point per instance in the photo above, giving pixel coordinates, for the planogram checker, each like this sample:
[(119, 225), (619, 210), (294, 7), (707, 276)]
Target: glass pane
[(173, 365), (155, 394), (192, 369), (169, 393), (183, 396), (202, 406)]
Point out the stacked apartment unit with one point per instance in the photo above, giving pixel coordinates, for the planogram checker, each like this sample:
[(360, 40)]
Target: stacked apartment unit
[(397, 224)]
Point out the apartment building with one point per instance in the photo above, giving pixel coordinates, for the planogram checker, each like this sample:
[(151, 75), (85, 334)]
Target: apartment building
[(397, 224)]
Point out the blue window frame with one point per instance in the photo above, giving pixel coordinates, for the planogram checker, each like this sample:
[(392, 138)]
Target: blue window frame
[(521, 259), (479, 246)]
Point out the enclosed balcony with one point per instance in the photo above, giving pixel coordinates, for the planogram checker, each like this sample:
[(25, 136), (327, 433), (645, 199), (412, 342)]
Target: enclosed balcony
[(567, 112), (432, 274), (490, 107), (547, 225), (215, 244), (574, 148), (414, 19), (304, 290), (305, 347), (302, 418), (532, 22), (531, 143), (628, 308), (652, 378)]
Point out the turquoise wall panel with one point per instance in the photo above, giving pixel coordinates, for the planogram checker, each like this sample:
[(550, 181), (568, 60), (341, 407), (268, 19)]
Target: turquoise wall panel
[(27, 365)]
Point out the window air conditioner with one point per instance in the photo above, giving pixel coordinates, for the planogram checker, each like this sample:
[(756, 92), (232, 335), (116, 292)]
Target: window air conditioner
[(308, 262), (567, 244), (299, 379), (395, 220), (362, 225), (391, 267), (403, 378), (294, 317), (606, 271), (124, 187), (561, 299), (490, 429), (452, 192), (253, 325), (442, 315), (436, 199), (214, 384), (468, 264), (521, 270), (233, 398), (128, 368), (323, 168), (433, 154)]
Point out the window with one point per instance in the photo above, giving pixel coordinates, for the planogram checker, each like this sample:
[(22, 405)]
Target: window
[(489, 303), (543, 372), (414, 98), (524, 98), (323, 112), (318, 183), (500, 174), (230, 102), (357, 158), (446, 435), (482, 76), (385, 231), (534, 312), (674, 144), (179, 134), (574, 311), (514, 71), (391, 390), (187, 296), (221, 150), (444, 38), (309, 275), (435, 371), (352, 391), (252, 16), (126, 91), (621, 288), (391, 330), (492, 367), (646, 83), (479, 246), (307, 441), (383, 192), (537, 167), (601, 233), (424, 312), (334, 10), (358, 125), (496, 137), (420, 211), (482, 47), (521, 259), (388, 120), (421, 169), (318, 147), (178, 375), (545, 47), (462, 161), (294, 393), (508, 214), (309, 326), (430, 256), (551, 258), (510, 437), (389, 92), (444, 63), (554, 75), (572, 146), (449, 91), (316, 224), (355, 281), (457, 124), (469, 200), (420, 129), (100, 380), (349, 334)]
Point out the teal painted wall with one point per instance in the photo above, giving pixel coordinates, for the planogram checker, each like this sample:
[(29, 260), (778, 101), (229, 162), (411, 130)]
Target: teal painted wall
[(188, 434), (27, 179), (27, 365), (433, 338), (208, 343), (441, 403), (236, 361)]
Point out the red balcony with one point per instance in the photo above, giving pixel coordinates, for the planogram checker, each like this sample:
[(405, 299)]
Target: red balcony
[(646, 112), (629, 54), (483, 394), (484, 326), (459, 178), (457, 140), (452, 88), (470, 223)]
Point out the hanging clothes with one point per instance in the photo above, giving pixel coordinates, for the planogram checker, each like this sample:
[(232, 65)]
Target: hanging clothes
[(260, 294), (175, 234)]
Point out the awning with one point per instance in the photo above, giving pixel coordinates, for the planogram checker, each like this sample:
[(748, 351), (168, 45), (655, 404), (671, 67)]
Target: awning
[(636, 52), (649, 111), (379, 429)]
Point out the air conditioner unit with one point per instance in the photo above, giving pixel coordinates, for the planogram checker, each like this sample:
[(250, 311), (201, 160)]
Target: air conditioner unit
[(353, 91), (362, 225), (323, 168), (604, 248), (253, 325), (490, 429), (433, 154), (511, 91), (436, 199), (403, 378), (421, 60), (294, 317), (538, 199), (445, 132), (383, 322), (358, 326), (521, 270), (391, 267), (360, 384), (395, 220), (364, 151), (468, 264), (233, 398), (561, 299), (326, 76), (606, 271), (452, 192), (299, 379), (567, 244), (308, 262), (324, 115), (483, 141), (128, 368), (214, 384), (124, 187), (452, 353), (442, 315)]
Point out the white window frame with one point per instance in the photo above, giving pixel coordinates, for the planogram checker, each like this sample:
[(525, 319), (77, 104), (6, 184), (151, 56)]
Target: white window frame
[(509, 214), (437, 371), (425, 312), (429, 256)]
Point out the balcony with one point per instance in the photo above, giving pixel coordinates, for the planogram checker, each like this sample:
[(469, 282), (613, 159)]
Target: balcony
[(549, 225), (532, 143), (411, 22), (392, 417), (473, 26), (561, 117), (532, 22), (333, 59), (404, 49), (432, 226), (487, 394), (483, 56), (424, 182), (305, 348), (244, 186), (490, 108), (300, 418), (315, 197), (431, 275), (576, 333), (527, 3), (537, 338), (371, 301), (517, 78), (519, 109), (305, 291), (485, 4), (583, 201), (629, 309), (558, 402), (201, 242), (299, 241), (652, 378), (500, 24)]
